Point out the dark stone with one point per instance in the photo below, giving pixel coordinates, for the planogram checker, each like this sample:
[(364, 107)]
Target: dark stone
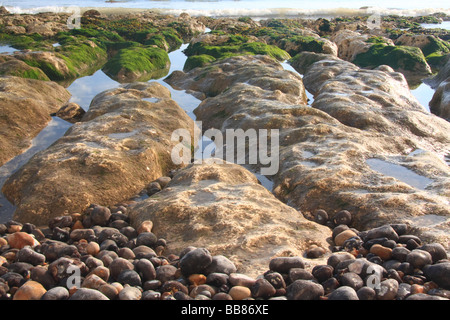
[(383, 231), (56, 293), (109, 245), (330, 285), (60, 222), (412, 244), (366, 293), (400, 228), (322, 272), (284, 264), (13, 279), (130, 277), (220, 264), (276, 279), (146, 239), (436, 250), (78, 234), (352, 280), (217, 279), (304, 290), (423, 296), (146, 270), (335, 258), (320, 216), (262, 289), (166, 272), (100, 215), (400, 253), (151, 295), (406, 237), (343, 217), (118, 265), (144, 252), (195, 261), (22, 268), (152, 285), (43, 276), (439, 273), (222, 296), (343, 293), (88, 294), (108, 233), (129, 232), (300, 274), (30, 256), (419, 258), (339, 229)]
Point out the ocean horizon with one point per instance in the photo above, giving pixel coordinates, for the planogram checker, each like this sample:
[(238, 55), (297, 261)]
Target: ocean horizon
[(252, 8)]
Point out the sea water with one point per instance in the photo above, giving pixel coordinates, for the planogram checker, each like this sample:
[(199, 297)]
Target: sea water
[(253, 8)]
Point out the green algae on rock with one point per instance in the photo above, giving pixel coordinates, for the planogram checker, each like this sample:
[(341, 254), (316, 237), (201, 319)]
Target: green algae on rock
[(138, 64)]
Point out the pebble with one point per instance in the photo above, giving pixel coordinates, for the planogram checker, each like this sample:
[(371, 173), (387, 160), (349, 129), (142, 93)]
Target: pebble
[(130, 293), (343, 217), (240, 293), (30, 290), (304, 290), (284, 264), (343, 293), (100, 215), (195, 261), (18, 240), (343, 236), (381, 251), (119, 262), (419, 258), (321, 216), (87, 294)]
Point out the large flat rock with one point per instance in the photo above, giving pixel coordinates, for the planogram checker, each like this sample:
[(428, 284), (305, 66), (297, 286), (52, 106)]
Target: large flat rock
[(122, 143)]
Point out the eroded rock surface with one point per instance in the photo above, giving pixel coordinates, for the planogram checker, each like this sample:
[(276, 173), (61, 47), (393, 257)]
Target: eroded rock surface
[(25, 110), (355, 148), (121, 145), (222, 207)]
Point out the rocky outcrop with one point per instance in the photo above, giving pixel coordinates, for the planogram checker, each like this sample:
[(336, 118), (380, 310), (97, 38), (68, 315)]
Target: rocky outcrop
[(46, 24), (370, 52), (440, 103), (25, 110), (18, 68), (122, 144), (222, 208), (354, 148)]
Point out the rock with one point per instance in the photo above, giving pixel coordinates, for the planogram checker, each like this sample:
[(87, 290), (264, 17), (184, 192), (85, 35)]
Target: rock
[(343, 293), (400, 253), (145, 226), (146, 239), (423, 296), (30, 290), (300, 274), (383, 252), (109, 291), (387, 290), (419, 258), (321, 216), (195, 261), (239, 279), (166, 273), (29, 255), (342, 217), (130, 277), (92, 248), (383, 231), (304, 290), (242, 234), (19, 68), (436, 250), (148, 63), (276, 279), (322, 272), (93, 281), (343, 236), (18, 240), (315, 252), (440, 102), (439, 273), (100, 215), (119, 265), (352, 280), (146, 270), (56, 293), (88, 294), (220, 264), (366, 293), (284, 264), (71, 112), (65, 267), (334, 259), (263, 289), (240, 293), (97, 152)]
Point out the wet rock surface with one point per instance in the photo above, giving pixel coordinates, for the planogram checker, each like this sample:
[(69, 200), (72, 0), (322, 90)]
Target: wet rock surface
[(122, 137)]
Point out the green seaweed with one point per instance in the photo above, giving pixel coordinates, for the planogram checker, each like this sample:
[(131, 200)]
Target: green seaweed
[(197, 61)]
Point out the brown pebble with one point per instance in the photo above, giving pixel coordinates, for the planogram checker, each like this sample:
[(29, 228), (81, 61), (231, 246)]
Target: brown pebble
[(417, 288), (93, 248), (381, 251), (18, 240), (240, 293), (78, 225), (30, 290), (197, 279), (145, 226), (344, 235)]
